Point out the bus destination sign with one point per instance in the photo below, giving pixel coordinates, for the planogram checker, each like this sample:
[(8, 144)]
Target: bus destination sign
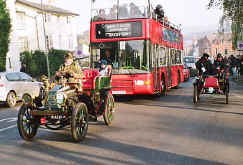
[(119, 30)]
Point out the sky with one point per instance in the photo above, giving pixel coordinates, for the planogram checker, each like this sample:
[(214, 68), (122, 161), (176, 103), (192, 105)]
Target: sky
[(193, 15)]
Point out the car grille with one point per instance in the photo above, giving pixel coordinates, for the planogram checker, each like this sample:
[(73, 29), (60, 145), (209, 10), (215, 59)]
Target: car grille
[(51, 101)]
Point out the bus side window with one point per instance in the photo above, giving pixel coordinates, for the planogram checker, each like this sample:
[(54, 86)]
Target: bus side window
[(162, 56), (178, 57), (168, 56), (154, 56), (172, 55)]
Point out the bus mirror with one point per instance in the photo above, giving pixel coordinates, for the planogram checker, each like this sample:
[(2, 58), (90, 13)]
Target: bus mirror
[(122, 45)]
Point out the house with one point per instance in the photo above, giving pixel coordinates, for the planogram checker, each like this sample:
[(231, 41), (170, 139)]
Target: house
[(38, 26), (204, 45), (222, 43)]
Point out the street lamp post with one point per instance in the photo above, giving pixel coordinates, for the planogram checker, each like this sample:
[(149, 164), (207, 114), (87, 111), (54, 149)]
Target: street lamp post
[(45, 40)]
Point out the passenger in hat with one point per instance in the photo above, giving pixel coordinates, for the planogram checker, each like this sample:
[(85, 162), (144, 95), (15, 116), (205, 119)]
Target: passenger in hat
[(159, 11), (219, 64), (104, 68), (204, 65)]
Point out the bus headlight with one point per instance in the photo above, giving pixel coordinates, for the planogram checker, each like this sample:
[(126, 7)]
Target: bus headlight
[(142, 82), (139, 82)]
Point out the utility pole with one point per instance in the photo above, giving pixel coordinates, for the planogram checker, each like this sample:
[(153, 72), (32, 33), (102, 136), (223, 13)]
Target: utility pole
[(149, 8), (43, 12), (118, 6)]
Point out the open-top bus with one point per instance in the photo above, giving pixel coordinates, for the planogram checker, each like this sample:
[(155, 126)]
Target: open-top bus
[(145, 51)]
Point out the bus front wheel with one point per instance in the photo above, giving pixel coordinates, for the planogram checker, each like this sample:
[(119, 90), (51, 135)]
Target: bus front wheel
[(163, 87), (178, 80)]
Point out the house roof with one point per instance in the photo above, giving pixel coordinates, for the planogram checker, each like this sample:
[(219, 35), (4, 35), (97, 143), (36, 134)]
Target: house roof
[(47, 8)]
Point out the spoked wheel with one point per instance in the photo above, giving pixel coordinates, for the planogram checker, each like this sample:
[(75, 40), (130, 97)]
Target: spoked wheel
[(227, 94), (27, 125), (195, 94), (27, 99), (79, 123), (11, 99), (109, 110)]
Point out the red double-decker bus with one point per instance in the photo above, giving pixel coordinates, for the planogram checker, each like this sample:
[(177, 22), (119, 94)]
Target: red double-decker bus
[(145, 52)]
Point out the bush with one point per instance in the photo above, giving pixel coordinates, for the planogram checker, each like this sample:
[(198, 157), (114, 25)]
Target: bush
[(56, 58), (5, 27), (34, 63)]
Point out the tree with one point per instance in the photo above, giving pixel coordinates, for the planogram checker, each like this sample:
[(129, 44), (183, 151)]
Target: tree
[(237, 34), (5, 28), (233, 9)]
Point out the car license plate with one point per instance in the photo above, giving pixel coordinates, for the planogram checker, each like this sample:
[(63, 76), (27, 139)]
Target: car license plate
[(118, 92), (57, 117)]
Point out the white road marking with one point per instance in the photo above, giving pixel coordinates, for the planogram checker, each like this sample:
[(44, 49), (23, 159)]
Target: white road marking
[(4, 129), (12, 120), (9, 119)]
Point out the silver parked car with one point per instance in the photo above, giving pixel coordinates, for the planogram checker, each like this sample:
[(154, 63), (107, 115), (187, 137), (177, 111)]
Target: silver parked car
[(16, 86)]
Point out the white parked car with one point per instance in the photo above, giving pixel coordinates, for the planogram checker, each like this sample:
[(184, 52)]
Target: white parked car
[(15, 86)]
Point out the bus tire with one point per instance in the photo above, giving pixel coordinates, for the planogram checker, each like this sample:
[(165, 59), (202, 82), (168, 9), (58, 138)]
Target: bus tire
[(195, 94), (178, 80), (163, 87)]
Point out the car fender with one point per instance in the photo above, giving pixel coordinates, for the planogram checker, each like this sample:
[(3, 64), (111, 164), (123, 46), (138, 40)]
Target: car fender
[(36, 89), (4, 94)]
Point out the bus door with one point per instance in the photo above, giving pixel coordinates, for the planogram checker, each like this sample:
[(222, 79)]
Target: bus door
[(168, 57), (156, 66)]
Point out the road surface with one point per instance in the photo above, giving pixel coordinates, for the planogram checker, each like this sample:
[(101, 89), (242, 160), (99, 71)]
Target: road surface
[(146, 130)]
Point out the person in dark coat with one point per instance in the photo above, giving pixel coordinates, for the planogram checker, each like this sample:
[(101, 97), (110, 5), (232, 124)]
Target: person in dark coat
[(204, 63), (220, 66), (238, 64), (220, 63), (233, 64), (241, 64), (108, 57)]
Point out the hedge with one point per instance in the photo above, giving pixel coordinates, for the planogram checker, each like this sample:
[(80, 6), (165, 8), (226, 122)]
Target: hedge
[(34, 63)]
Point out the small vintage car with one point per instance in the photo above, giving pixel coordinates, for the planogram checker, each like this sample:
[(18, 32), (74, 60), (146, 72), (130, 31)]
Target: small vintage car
[(66, 104), (211, 84)]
